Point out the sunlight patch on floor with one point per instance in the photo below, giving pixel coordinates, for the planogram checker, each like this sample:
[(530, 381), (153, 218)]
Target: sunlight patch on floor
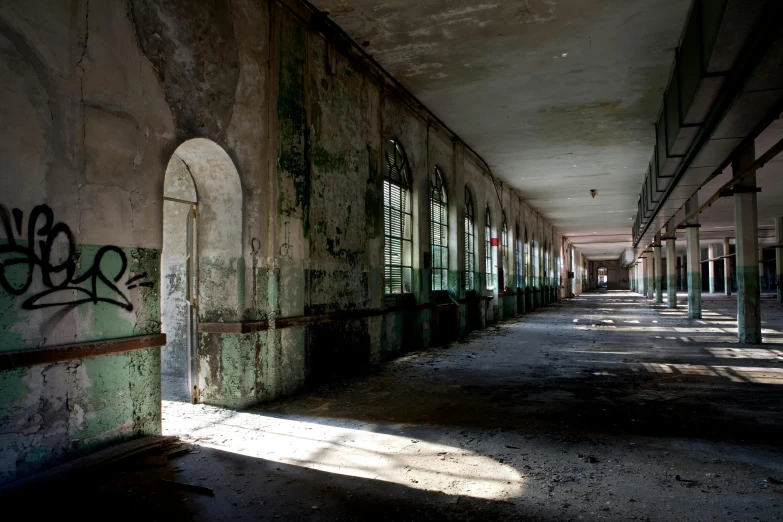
[(733, 373), (350, 451)]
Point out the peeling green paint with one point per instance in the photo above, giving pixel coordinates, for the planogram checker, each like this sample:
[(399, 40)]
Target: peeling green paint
[(216, 292), (13, 389), (325, 161), (293, 153), (235, 362)]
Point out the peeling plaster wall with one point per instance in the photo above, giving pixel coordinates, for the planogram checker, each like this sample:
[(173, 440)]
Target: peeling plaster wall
[(98, 96)]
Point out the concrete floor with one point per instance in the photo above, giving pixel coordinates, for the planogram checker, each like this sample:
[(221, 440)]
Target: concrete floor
[(605, 407)]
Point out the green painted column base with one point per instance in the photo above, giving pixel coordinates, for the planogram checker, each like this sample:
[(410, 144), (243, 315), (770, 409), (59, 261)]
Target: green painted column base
[(694, 295), (671, 291), (659, 289), (748, 305)]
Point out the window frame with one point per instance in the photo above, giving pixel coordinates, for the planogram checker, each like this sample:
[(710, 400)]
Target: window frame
[(488, 248), (439, 278), (504, 251), (518, 258), (397, 220), (470, 245), (528, 265)]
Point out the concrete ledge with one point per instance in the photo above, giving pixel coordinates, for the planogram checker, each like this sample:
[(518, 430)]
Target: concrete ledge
[(69, 352)]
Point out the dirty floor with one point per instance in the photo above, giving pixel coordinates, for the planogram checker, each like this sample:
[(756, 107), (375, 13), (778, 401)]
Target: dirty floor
[(604, 407)]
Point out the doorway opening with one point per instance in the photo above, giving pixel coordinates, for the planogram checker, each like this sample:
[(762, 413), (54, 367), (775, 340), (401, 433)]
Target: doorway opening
[(202, 220), (603, 277)]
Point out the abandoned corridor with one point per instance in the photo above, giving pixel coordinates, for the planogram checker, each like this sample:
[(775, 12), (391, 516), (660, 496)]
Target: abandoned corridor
[(602, 407)]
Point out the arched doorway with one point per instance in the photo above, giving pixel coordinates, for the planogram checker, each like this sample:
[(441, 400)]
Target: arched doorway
[(202, 245), (603, 277)]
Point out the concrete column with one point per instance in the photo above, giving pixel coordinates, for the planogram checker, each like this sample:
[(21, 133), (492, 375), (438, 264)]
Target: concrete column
[(671, 271), (711, 266), (694, 260), (658, 266), (643, 275), (635, 276), (746, 226), (636, 287), (779, 257), (638, 276), (726, 267), (651, 275), (761, 269), (680, 279)]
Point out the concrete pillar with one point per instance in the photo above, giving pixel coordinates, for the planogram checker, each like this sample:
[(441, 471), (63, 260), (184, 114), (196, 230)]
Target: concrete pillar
[(644, 275), (779, 257), (671, 271), (651, 275), (658, 268), (680, 279), (694, 260), (711, 266), (746, 226), (761, 269), (726, 267), (635, 276)]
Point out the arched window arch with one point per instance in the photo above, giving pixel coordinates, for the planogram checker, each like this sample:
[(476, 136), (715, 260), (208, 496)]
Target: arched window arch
[(488, 248), (518, 257), (439, 232), (470, 237), (397, 248)]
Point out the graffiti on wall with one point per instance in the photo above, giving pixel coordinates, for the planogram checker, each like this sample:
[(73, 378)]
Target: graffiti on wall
[(49, 249)]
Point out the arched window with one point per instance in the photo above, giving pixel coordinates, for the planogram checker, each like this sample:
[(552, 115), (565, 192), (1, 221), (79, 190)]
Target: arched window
[(397, 246), (439, 232), (518, 258), (470, 234), (504, 239), (488, 248), (528, 269), (546, 264), (536, 263)]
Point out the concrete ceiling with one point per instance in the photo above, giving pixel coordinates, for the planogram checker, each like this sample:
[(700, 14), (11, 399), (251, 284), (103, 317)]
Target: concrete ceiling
[(558, 96), (717, 221)]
